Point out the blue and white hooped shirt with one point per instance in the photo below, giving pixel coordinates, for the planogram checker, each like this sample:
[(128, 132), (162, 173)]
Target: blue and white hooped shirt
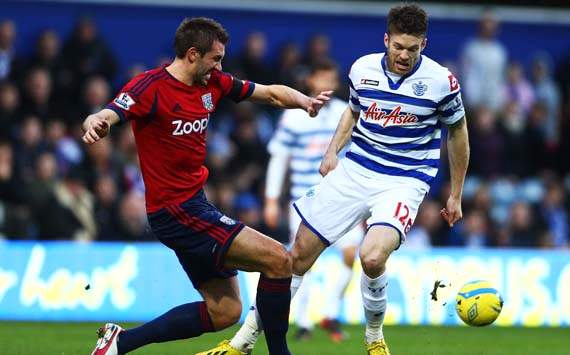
[(398, 132)]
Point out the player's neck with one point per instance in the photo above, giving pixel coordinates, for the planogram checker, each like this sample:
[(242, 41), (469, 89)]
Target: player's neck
[(181, 72)]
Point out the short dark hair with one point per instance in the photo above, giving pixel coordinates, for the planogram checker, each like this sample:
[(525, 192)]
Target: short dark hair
[(200, 33), (323, 65), (408, 19)]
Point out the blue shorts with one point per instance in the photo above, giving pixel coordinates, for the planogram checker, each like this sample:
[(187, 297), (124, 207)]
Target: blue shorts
[(199, 234)]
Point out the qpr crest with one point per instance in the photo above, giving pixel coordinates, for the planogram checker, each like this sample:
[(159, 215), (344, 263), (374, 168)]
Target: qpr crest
[(419, 88), (207, 102)]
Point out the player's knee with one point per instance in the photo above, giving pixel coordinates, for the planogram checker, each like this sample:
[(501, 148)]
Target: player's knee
[(279, 264), (373, 262), (300, 264), (225, 314)]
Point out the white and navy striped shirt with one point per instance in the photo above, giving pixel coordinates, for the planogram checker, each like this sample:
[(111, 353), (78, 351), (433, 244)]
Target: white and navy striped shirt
[(305, 140), (398, 132)]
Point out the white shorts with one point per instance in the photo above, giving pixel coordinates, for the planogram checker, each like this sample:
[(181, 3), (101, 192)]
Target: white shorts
[(352, 238), (345, 197)]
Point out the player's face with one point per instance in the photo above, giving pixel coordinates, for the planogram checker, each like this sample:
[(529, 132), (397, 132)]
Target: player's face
[(210, 61), (403, 51), (322, 80)]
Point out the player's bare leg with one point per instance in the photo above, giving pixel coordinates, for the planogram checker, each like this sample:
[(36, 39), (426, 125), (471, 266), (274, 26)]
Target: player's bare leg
[(380, 241), (306, 250), (253, 251)]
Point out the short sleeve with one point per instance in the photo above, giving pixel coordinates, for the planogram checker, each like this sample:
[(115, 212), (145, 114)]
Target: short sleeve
[(450, 107), (285, 138), (353, 100), (235, 89), (136, 99)]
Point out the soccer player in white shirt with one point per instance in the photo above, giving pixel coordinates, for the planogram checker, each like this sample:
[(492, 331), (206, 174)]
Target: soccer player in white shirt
[(298, 146), (399, 101)]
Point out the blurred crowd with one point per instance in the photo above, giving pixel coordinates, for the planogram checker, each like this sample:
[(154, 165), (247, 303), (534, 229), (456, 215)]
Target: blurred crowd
[(53, 187)]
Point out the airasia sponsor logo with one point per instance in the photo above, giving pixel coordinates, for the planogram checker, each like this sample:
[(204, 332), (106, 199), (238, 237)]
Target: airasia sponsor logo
[(374, 113)]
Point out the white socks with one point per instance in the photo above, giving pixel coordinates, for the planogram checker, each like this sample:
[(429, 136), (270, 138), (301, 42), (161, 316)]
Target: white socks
[(374, 298), (246, 337), (302, 315), (296, 281), (335, 292)]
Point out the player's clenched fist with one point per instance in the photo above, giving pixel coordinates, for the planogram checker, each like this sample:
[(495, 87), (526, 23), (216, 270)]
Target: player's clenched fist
[(94, 128), (328, 164)]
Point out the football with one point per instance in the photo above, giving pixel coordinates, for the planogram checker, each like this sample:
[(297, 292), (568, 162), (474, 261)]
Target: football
[(478, 303)]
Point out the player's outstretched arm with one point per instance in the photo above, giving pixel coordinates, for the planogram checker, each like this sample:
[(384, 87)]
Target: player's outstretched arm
[(339, 140), (97, 125), (458, 150), (286, 97)]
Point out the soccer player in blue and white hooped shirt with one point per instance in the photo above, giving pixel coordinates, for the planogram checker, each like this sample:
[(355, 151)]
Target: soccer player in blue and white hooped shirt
[(399, 101)]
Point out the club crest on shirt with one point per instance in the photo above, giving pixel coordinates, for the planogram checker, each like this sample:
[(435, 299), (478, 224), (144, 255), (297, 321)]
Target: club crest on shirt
[(227, 220), (207, 102), (311, 192), (419, 88), (124, 101)]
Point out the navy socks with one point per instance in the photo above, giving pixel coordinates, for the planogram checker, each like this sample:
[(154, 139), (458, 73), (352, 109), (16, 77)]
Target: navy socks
[(273, 303), (182, 322)]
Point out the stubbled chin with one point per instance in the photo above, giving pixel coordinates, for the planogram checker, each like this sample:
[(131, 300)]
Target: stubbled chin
[(205, 79)]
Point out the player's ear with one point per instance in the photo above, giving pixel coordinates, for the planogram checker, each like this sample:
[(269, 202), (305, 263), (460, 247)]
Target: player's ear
[(386, 39), (192, 54), (424, 43)]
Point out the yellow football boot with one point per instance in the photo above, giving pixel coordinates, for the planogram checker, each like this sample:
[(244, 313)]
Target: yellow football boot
[(377, 347), (223, 348)]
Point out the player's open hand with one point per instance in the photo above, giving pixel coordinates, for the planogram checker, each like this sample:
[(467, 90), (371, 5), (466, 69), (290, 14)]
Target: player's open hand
[(316, 103), (94, 128), (328, 164), (452, 212)]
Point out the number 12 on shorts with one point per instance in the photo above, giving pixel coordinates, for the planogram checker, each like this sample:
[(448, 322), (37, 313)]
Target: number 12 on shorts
[(402, 213)]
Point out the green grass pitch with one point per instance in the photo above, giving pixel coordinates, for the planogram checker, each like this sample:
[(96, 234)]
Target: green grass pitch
[(27, 338)]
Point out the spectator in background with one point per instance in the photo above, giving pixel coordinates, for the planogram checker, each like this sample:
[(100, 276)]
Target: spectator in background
[(289, 69), (47, 56), (102, 162), (69, 212), (41, 188), (107, 209), (10, 64), (473, 232), (513, 123), (318, 48), (95, 94), (133, 219), (9, 110), (548, 94), (37, 98), (14, 215), (252, 62), (484, 60), (487, 145), (248, 209), (428, 227), (247, 166), (85, 54), (29, 147), (536, 153), (525, 228), (555, 215), (517, 88)]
